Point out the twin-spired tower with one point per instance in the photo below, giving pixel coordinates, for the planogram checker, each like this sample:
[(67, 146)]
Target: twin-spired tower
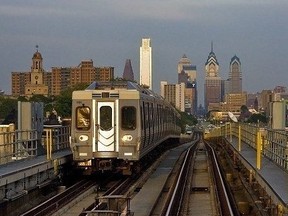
[(146, 63)]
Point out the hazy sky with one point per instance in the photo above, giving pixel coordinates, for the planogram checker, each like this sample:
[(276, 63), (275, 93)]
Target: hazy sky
[(110, 31)]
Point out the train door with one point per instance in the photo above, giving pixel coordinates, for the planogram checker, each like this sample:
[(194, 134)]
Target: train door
[(105, 127)]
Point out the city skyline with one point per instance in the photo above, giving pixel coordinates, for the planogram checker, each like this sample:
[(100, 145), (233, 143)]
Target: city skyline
[(68, 32)]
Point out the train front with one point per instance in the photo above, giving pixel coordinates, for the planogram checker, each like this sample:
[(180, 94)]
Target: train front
[(105, 131)]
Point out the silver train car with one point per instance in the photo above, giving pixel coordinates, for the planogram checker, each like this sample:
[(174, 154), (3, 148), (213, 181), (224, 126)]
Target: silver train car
[(115, 124)]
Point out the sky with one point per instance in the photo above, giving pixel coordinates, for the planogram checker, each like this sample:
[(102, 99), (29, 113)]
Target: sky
[(109, 32)]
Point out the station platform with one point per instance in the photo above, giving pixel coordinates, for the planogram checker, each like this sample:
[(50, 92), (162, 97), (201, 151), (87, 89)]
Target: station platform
[(23, 171), (270, 176), (144, 200)]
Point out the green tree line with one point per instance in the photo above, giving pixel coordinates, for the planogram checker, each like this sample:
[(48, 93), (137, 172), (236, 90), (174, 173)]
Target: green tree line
[(61, 103)]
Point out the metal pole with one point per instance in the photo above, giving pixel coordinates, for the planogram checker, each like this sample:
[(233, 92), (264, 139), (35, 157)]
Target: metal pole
[(258, 153), (239, 139), (47, 145), (230, 131)]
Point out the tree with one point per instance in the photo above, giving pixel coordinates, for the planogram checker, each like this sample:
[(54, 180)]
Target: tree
[(39, 98), (22, 99), (7, 105), (187, 119), (244, 109), (47, 101), (245, 113), (257, 117), (63, 102)]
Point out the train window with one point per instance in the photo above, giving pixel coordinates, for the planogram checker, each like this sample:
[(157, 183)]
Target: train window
[(106, 118), (83, 118), (128, 116)]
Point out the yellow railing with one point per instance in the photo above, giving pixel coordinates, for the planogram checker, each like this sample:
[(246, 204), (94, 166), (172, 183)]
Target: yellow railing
[(270, 143), (55, 138), (15, 144)]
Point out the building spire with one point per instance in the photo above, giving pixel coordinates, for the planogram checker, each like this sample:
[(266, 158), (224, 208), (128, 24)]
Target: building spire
[(211, 46), (128, 71), (37, 47)]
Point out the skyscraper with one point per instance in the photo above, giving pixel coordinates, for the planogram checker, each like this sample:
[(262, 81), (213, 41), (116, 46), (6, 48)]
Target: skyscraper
[(186, 65), (174, 94), (128, 71), (235, 76), (187, 75), (212, 88), (183, 61), (146, 63)]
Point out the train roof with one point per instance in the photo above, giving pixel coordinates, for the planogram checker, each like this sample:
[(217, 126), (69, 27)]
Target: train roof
[(120, 84)]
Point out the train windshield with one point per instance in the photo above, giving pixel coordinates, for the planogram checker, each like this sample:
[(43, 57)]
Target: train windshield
[(106, 118), (83, 118), (128, 117)]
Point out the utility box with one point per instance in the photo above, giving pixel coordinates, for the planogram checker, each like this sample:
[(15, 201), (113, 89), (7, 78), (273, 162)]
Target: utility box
[(278, 114), (30, 117)]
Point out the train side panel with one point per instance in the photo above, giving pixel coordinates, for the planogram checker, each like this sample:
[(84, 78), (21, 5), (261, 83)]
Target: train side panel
[(129, 126), (159, 122)]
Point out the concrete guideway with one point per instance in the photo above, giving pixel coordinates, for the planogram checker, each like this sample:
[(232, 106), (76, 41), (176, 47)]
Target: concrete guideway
[(270, 176), (33, 172)]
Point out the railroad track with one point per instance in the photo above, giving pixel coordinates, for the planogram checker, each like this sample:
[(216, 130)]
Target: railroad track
[(56, 202), (117, 197), (191, 190), (195, 186), (225, 197), (112, 201)]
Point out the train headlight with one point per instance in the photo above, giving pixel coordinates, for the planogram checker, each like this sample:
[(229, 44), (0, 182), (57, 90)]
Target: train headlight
[(83, 138), (85, 163), (127, 137)]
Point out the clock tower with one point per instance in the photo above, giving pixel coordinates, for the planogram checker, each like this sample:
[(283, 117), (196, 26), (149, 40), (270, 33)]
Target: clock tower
[(36, 68), (36, 85)]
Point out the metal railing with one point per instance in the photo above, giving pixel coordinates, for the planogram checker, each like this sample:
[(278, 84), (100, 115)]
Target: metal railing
[(270, 143), (16, 145), (275, 146), (55, 138)]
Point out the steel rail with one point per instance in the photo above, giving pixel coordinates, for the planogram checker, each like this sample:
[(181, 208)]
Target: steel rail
[(182, 178), (116, 191), (53, 204), (226, 207)]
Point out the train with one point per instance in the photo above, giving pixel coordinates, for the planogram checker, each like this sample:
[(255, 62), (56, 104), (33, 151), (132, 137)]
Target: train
[(116, 124)]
